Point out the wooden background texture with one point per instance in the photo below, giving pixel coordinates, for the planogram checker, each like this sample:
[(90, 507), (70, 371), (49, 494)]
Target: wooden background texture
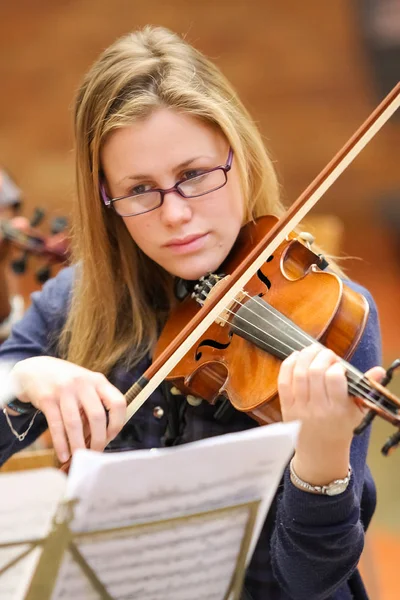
[(303, 71)]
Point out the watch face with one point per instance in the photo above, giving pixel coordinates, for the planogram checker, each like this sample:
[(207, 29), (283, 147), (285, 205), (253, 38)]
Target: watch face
[(336, 488)]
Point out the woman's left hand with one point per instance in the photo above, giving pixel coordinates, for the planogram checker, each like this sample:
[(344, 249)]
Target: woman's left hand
[(312, 387)]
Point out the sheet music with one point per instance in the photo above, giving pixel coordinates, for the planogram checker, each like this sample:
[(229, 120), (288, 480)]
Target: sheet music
[(186, 561), (28, 501), (191, 560)]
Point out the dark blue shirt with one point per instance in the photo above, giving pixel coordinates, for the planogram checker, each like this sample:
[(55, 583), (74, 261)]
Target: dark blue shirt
[(310, 545)]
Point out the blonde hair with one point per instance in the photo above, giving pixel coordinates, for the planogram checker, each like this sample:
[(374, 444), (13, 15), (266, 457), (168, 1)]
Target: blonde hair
[(112, 314)]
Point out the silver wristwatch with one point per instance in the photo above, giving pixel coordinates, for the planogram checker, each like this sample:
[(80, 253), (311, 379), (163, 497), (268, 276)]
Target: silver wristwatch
[(332, 489)]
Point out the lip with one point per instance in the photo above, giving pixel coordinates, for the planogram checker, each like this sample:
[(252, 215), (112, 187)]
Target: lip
[(190, 243), (185, 240)]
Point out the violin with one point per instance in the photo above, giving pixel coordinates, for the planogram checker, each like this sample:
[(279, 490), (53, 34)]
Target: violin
[(290, 303), (26, 237), (5, 306), (18, 232), (273, 296), (10, 200), (276, 313)]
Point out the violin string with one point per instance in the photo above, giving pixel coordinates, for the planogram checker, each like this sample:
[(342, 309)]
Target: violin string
[(361, 383), (349, 368), (353, 387), (361, 386), (307, 337)]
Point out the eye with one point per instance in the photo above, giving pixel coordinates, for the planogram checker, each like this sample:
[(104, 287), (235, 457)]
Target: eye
[(192, 174), (140, 189)]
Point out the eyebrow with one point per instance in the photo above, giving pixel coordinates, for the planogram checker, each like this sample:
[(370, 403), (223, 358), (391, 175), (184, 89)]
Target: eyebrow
[(182, 165)]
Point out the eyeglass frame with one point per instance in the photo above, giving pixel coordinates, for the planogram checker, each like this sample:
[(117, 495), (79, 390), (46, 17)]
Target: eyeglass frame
[(175, 188)]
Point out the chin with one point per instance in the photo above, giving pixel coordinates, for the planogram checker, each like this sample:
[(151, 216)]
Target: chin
[(196, 269), (189, 274)]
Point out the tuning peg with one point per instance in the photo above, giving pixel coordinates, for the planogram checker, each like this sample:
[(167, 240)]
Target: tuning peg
[(37, 217), (58, 225), (43, 274), (394, 440), (391, 444), (307, 238), (367, 420), (369, 417), (19, 264), (389, 373)]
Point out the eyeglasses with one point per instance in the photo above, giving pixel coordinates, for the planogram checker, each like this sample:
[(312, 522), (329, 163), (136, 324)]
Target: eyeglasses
[(208, 181)]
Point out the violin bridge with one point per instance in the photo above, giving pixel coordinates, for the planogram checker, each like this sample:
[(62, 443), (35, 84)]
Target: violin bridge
[(225, 317)]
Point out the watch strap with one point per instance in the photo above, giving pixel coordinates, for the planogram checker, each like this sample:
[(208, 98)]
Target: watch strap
[(23, 408), (333, 488)]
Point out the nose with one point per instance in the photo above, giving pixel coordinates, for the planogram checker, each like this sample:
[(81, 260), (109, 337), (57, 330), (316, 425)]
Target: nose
[(175, 209)]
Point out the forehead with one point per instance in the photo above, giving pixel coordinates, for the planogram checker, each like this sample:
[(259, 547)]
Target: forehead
[(165, 138)]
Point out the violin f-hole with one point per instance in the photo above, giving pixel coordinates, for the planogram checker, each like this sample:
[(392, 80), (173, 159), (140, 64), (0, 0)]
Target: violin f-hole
[(212, 344)]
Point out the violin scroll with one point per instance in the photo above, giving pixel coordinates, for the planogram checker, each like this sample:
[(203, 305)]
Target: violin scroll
[(24, 235)]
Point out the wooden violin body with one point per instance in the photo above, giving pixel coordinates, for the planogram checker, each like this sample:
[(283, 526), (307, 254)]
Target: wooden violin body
[(223, 363), (18, 233)]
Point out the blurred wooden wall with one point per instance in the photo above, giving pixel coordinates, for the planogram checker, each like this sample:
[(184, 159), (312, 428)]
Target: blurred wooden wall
[(300, 67)]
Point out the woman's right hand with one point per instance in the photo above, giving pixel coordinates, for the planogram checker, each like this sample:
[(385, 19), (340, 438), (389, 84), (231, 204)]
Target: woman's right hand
[(70, 396)]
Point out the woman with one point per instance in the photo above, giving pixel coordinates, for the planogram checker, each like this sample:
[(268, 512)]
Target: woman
[(169, 168)]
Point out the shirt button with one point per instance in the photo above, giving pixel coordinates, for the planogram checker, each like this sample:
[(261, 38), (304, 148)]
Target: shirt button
[(175, 392), (193, 400), (158, 412)]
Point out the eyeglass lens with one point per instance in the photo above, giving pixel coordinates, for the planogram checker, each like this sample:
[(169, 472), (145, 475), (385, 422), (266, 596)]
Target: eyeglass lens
[(191, 188)]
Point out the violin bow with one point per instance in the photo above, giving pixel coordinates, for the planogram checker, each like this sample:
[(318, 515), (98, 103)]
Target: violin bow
[(230, 286)]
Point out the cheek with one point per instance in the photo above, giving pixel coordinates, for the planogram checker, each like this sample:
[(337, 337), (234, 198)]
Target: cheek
[(237, 201), (230, 211), (238, 208), (141, 232)]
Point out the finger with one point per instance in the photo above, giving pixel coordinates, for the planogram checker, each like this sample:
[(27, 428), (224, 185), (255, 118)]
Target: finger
[(336, 385), (114, 401), (300, 383), (376, 374), (57, 430), (285, 379), (318, 369), (95, 414), (71, 416)]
